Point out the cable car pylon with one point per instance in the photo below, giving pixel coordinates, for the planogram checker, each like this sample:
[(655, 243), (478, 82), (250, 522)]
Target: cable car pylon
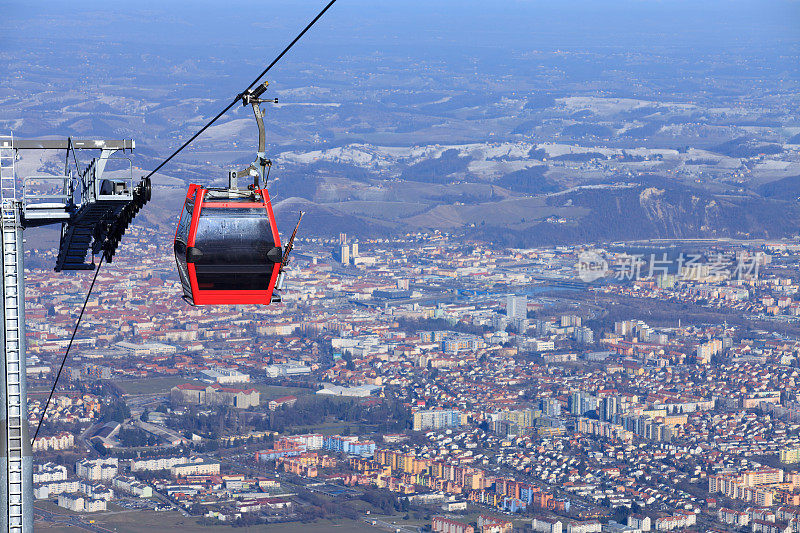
[(93, 212)]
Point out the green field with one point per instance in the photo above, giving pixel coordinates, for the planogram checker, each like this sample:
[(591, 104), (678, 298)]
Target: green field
[(160, 385), (145, 521)]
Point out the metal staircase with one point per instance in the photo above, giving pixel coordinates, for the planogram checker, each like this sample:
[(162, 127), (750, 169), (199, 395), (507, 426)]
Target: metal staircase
[(72, 250)]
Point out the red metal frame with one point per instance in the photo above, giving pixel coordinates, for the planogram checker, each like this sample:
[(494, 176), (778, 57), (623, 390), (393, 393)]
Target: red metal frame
[(229, 297)]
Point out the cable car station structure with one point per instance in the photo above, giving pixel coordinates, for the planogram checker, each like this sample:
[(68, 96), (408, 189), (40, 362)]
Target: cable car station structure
[(94, 213)]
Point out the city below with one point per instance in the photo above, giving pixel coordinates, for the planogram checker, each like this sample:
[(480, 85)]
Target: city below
[(546, 273), (423, 382)]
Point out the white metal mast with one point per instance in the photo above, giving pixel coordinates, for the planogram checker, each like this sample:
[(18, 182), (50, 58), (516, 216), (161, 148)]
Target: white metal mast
[(16, 459)]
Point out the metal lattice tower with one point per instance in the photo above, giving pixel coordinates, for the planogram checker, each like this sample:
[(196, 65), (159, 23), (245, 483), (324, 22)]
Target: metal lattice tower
[(17, 486)]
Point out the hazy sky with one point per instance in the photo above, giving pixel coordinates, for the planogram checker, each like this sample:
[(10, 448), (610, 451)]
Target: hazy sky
[(512, 23)]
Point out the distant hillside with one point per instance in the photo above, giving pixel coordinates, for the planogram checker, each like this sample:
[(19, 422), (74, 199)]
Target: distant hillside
[(524, 207), (744, 147), (529, 180), (785, 189), (320, 220), (438, 169), (649, 211), (654, 208)]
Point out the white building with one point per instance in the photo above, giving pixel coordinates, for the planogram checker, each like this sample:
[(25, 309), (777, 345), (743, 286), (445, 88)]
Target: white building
[(195, 469), (131, 485), (150, 348), (547, 525), (286, 369), (160, 463), (224, 376), (676, 521), (516, 306), (309, 442), (51, 488), (543, 345), (733, 518), (60, 441), (80, 503), (72, 502), (584, 335), (50, 472), (358, 391), (97, 469), (590, 526), (640, 522), (97, 491)]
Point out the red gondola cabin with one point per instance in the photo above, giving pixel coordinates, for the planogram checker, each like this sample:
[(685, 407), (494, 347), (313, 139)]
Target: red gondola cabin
[(227, 247)]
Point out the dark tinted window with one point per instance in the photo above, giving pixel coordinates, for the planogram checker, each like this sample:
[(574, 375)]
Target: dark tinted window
[(182, 235), (185, 222), (234, 243)]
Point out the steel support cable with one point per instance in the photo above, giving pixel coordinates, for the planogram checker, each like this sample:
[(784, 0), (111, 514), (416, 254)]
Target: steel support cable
[(239, 96), (69, 347)]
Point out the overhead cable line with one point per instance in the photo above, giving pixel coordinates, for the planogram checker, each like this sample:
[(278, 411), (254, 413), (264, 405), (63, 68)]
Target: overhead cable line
[(66, 353), (167, 160), (239, 96)]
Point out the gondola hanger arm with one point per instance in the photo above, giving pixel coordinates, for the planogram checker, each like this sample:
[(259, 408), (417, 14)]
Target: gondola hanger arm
[(258, 168)]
